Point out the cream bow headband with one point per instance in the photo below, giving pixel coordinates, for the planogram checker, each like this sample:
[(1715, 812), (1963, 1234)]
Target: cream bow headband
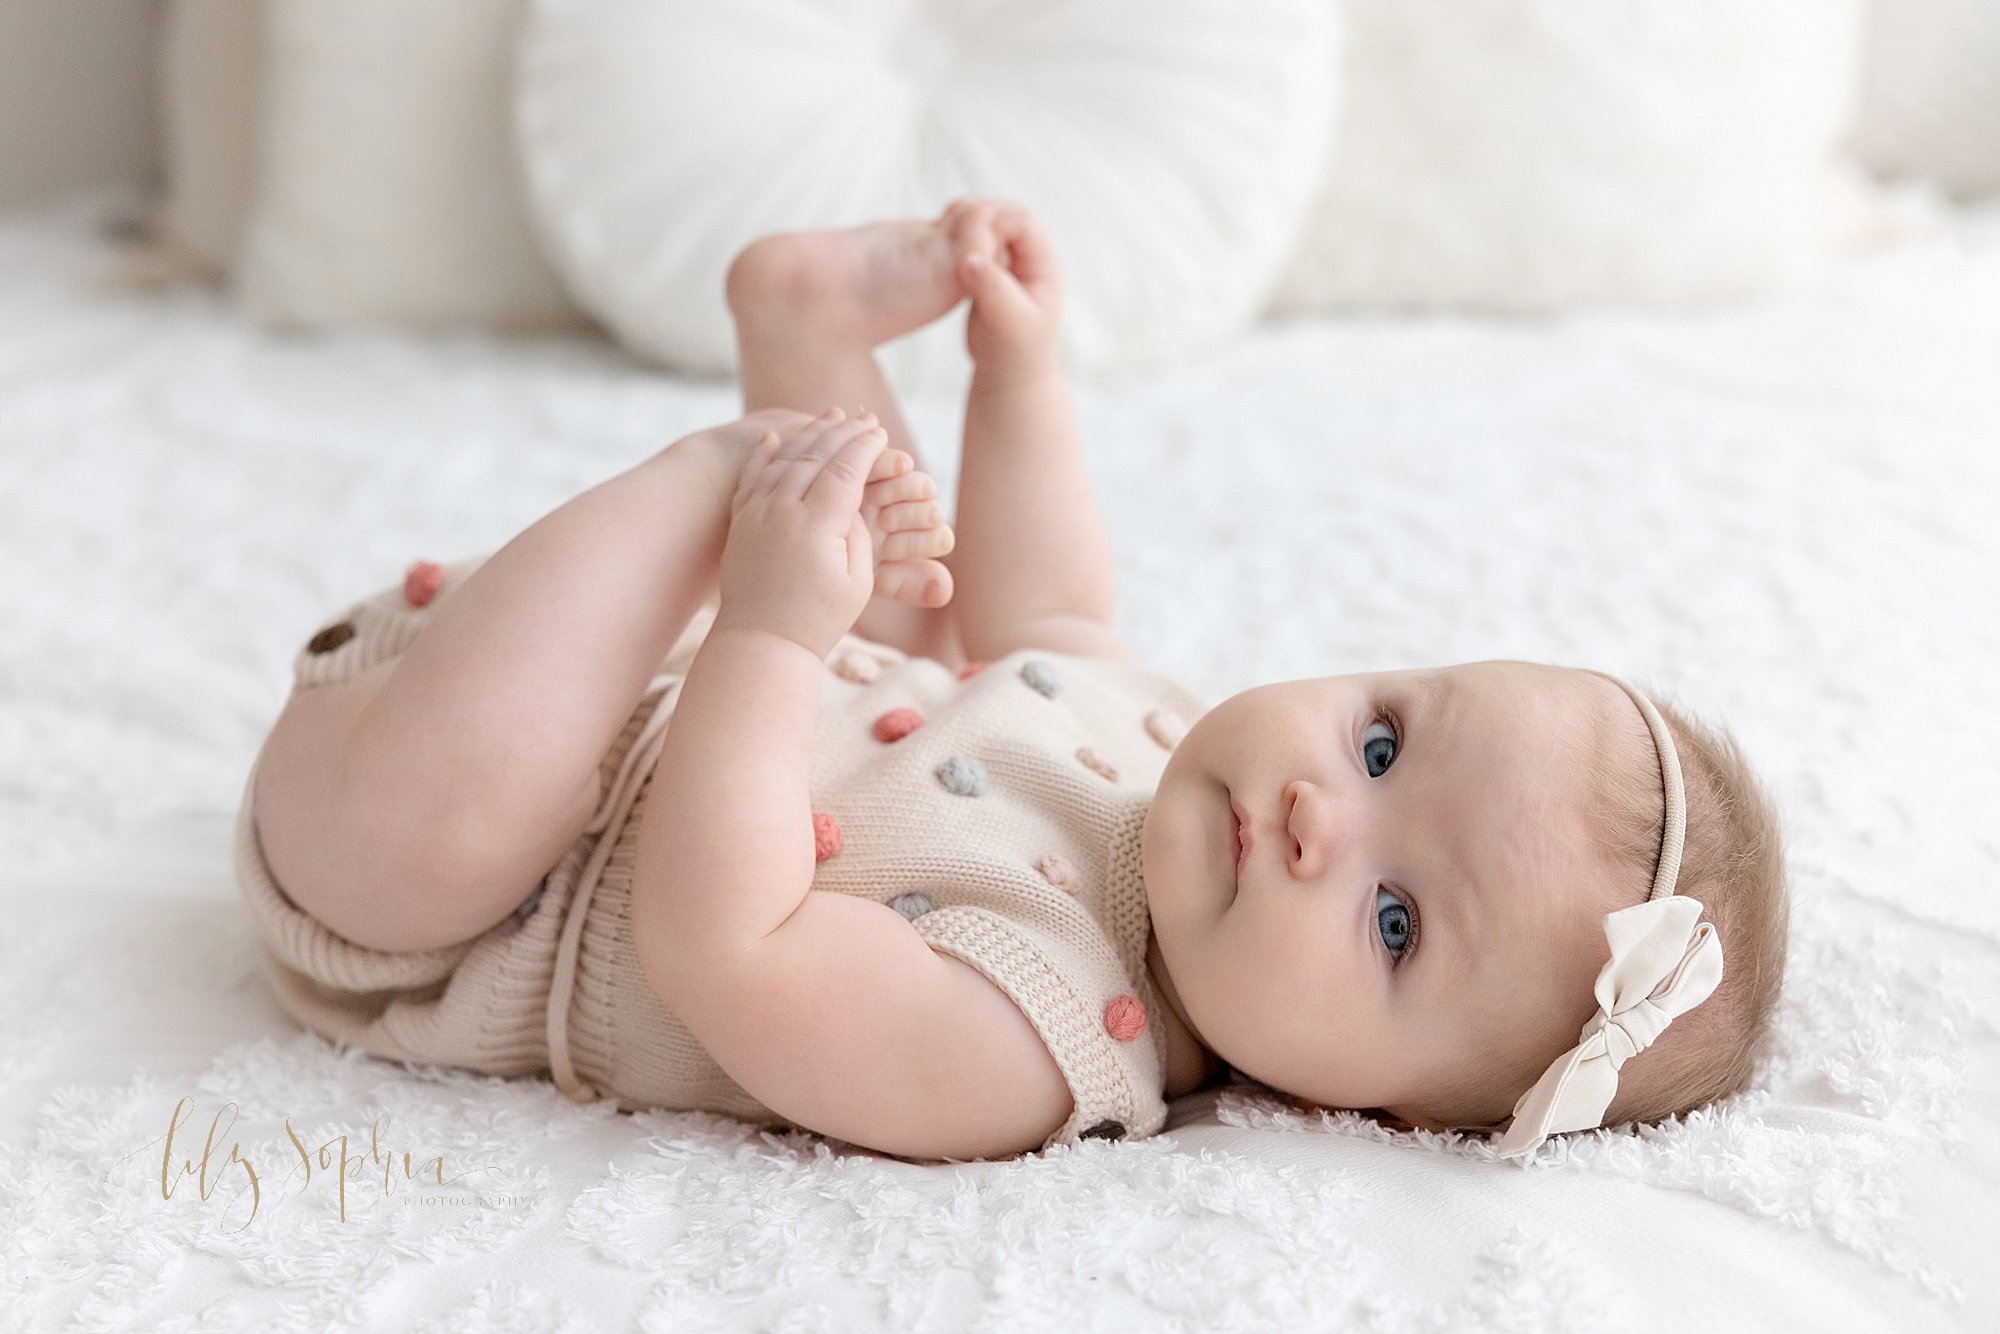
[(1662, 965)]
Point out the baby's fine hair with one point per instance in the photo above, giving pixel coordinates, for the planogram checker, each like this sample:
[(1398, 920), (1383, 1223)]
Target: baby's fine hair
[(1733, 864)]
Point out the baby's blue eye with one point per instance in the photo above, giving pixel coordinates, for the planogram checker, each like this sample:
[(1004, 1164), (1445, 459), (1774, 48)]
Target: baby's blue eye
[(1378, 748), (1392, 920)]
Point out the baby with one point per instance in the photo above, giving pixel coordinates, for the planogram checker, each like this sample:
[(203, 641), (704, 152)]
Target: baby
[(565, 807)]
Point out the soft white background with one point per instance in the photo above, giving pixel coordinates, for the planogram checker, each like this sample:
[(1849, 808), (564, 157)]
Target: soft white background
[(1782, 515)]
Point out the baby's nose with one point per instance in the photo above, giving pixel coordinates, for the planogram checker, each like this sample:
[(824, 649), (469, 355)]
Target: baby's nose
[(1314, 828)]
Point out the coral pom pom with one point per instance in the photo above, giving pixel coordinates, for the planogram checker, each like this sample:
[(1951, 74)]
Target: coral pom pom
[(1125, 1017), (897, 724), (826, 836), (422, 582)]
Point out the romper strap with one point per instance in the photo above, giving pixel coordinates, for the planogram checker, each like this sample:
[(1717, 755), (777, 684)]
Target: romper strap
[(607, 823)]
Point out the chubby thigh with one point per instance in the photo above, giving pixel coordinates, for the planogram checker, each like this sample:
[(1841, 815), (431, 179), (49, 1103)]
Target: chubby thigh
[(363, 858)]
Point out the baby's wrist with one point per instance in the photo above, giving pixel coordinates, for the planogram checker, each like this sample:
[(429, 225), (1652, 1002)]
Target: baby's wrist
[(1017, 368), (757, 630)]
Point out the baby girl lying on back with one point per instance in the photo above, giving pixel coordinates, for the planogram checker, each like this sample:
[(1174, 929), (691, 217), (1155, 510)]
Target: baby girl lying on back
[(566, 807)]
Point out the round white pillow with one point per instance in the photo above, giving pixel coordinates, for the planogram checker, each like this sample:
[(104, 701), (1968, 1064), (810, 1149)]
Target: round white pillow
[(1527, 156), (1171, 148), (1930, 94)]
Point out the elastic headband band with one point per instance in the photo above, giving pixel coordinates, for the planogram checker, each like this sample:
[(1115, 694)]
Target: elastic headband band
[(1663, 964), (1674, 837)]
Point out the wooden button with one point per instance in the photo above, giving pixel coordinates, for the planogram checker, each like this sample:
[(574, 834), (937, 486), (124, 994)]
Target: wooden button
[(331, 638), (1105, 1130)]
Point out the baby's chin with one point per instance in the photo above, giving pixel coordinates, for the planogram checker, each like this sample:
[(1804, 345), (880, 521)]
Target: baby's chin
[(1183, 860)]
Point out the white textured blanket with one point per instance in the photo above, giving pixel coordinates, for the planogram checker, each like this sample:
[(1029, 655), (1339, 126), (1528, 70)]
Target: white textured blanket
[(1783, 515)]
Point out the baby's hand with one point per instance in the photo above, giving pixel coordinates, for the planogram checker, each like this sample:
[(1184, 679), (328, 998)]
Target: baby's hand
[(1008, 266), (810, 505), (728, 447), (899, 504)]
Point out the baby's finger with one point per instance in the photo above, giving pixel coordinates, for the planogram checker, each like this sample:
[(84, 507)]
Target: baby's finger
[(802, 469), (860, 554), (1031, 252), (798, 442), (916, 583), (768, 446), (837, 487), (990, 286), (751, 477)]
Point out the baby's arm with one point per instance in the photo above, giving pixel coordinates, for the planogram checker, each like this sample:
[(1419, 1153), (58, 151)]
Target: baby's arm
[(1033, 564), (828, 1008)]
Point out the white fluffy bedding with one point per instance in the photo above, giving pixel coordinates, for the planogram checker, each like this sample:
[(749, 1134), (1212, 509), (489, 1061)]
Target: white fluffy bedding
[(1783, 516)]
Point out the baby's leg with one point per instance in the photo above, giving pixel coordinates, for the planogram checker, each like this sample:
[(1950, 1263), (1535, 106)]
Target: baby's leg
[(417, 808), (811, 308)]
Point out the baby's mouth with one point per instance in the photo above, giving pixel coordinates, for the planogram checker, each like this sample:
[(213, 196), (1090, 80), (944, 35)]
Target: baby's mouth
[(1239, 836)]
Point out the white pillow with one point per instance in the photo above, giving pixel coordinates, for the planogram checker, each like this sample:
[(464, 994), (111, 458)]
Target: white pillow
[(207, 68), (387, 188), (1930, 93), (1171, 147), (1529, 155)]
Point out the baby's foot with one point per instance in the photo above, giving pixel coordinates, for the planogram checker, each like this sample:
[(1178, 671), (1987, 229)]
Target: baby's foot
[(868, 284), (906, 520)]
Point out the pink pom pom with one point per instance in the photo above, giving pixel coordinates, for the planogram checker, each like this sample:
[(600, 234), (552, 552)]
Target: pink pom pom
[(1097, 763), (422, 582), (1055, 869), (897, 724), (1125, 1017), (826, 836)]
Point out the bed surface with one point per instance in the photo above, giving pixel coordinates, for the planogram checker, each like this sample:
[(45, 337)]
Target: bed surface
[(1781, 515)]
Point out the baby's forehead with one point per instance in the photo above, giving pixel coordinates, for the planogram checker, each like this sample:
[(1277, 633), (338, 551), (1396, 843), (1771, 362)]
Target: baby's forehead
[(1527, 750), (1540, 742), (1526, 704)]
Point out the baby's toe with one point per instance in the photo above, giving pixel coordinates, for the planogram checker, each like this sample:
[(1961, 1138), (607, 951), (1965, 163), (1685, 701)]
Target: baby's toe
[(919, 583), (892, 493), (918, 543), (890, 465), (905, 515)]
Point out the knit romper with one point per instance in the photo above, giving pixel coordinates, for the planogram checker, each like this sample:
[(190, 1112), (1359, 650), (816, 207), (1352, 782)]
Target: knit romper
[(999, 809)]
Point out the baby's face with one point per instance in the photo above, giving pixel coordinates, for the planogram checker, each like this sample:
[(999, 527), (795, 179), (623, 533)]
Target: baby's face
[(1420, 888)]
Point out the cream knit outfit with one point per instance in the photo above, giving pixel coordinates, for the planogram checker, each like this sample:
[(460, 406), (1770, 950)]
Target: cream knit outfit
[(1005, 827)]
